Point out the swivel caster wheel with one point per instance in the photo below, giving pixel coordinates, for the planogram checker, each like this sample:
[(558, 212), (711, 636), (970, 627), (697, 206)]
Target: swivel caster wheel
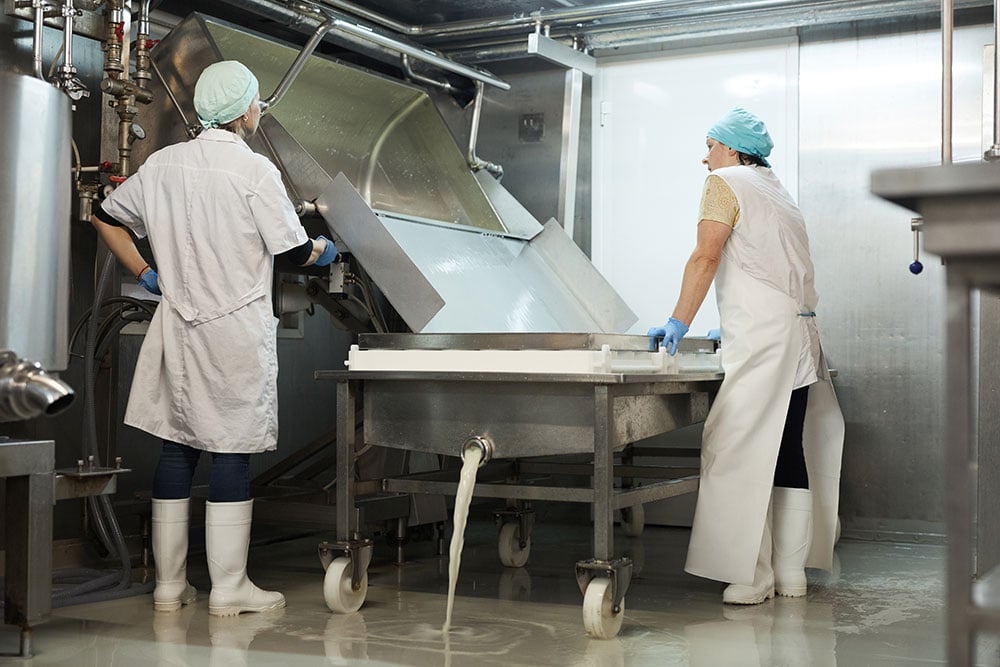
[(512, 554), (337, 589), (599, 619), (633, 520)]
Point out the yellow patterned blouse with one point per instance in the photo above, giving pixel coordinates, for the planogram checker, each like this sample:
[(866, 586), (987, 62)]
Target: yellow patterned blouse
[(718, 202)]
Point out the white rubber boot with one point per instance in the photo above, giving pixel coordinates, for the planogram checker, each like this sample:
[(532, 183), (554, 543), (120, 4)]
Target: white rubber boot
[(170, 547), (227, 541), (792, 539), (762, 588)]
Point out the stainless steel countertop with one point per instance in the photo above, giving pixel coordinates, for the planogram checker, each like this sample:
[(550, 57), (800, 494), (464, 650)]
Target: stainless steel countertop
[(582, 378), (522, 341)]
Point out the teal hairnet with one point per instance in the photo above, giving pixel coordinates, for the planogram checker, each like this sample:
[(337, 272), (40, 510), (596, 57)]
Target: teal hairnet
[(224, 92), (742, 131)]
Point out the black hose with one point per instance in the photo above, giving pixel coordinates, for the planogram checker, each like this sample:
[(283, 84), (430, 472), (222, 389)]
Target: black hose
[(102, 513), (85, 318)]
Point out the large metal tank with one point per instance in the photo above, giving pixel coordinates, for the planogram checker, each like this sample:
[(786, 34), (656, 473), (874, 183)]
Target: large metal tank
[(35, 144)]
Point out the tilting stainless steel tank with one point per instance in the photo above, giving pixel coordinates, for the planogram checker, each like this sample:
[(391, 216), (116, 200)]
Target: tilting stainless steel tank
[(449, 247)]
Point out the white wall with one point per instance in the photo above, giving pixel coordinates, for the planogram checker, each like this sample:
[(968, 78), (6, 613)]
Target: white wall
[(650, 119)]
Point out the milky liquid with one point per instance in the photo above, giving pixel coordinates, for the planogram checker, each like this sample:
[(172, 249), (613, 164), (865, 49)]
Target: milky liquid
[(473, 455)]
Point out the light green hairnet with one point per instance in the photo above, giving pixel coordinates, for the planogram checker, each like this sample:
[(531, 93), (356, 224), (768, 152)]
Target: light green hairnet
[(224, 92)]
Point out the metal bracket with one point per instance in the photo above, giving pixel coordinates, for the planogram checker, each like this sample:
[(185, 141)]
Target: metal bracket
[(83, 482), (339, 309), (359, 551), (568, 57), (618, 570)]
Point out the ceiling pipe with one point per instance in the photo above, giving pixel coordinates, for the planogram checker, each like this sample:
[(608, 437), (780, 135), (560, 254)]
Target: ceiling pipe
[(419, 53), (504, 23), (647, 15), (613, 37), (301, 16)]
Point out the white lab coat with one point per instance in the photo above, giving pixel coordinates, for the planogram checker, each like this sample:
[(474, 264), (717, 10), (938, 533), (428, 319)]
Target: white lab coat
[(763, 285), (216, 213)]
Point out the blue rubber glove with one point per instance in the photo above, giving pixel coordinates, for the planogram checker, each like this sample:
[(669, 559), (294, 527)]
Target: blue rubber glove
[(714, 334), (328, 255), (151, 282), (669, 335)]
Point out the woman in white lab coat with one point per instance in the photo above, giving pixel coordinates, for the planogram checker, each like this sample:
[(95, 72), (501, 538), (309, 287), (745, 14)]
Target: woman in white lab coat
[(216, 214), (772, 443)]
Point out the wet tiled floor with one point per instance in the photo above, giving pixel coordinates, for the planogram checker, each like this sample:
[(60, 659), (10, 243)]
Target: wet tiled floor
[(883, 605)]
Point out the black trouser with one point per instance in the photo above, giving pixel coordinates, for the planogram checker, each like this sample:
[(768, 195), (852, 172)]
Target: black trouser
[(790, 471)]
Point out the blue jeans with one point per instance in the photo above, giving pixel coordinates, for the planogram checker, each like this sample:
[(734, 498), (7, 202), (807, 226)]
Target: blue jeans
[(228, 481)]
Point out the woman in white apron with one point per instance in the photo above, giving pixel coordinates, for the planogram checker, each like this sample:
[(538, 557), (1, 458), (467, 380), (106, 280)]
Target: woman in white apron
[(771, 449), (216, 214)]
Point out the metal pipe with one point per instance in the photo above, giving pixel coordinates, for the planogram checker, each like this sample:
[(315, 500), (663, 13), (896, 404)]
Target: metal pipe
[(474, 161), (374, 17), (947, 50), (576, 19), (36, 47), (296, 68), (570, 153), (299, 15), (433, 58), (69, 12), (113, 65), (143, 24), (142, 76), (27, 391), (573, 18), (420, 78), (190, 129), (683, 21), (505, 23), (996, 73), (993, 152)]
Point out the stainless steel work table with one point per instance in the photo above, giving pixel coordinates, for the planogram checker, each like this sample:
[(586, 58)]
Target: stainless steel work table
[(26, 466), (520, 417), (960, 205)]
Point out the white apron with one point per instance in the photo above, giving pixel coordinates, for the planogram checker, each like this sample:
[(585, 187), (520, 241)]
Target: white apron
[(769, 349)]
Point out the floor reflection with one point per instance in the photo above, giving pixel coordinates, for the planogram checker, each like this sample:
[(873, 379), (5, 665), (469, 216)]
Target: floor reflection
[(882, 605)]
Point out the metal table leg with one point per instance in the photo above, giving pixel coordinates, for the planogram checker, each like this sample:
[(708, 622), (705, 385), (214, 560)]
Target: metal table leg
[(961, 470), (603, 473), (28, 576), (349, 543)]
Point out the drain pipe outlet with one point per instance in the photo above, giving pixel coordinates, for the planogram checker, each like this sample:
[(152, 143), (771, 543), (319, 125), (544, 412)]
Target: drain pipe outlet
[(483, 444), (27, 391)]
